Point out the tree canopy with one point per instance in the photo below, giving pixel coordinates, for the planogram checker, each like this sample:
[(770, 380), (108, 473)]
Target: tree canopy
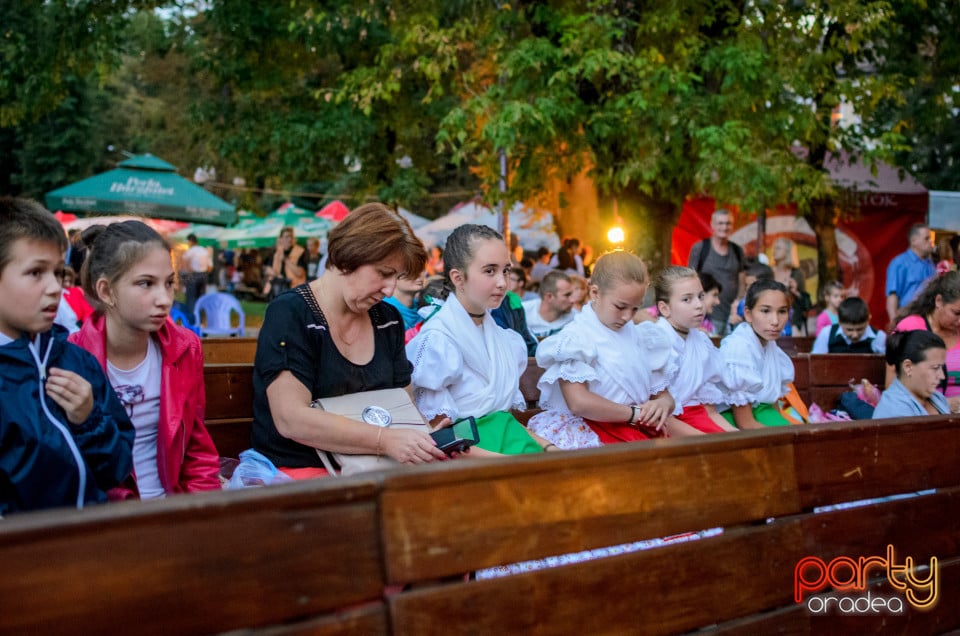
[(654, 100)]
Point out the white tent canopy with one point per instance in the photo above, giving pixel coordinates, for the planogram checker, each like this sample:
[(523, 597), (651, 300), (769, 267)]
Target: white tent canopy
[(944, 210), (415, 220), (533, 228)]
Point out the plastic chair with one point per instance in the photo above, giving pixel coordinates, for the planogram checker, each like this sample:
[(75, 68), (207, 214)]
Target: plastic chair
[(219, 308), (180, 318)]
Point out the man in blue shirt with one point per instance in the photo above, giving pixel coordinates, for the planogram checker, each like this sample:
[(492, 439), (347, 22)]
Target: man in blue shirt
[(908, 272)]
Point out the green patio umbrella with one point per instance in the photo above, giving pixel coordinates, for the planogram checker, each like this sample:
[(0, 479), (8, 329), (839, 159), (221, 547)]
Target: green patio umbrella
[(264, 232), (147, 186), (209, 235)]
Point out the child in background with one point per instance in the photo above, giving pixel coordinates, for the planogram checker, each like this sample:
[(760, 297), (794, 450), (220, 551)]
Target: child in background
[(711, 298), (755, 272), (65, 439), (464, 364), (832, 297), (581, 292), (695, 383), (605, 378), (510, 313), (405, 299), (155, 366), (853, 334), (74, 295), (756, 372)]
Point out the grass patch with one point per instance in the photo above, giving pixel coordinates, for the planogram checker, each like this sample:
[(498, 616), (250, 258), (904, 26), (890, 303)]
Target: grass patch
[(254, 310)]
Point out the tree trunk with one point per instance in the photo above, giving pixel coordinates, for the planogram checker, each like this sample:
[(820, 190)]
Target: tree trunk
[(823, 218), (578, 212), (649, 225)]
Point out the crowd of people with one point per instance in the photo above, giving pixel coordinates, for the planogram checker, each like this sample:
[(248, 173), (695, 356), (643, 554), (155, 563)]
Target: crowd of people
[(124, 394)]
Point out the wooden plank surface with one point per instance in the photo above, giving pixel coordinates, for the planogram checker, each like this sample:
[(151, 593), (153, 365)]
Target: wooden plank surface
[(872, 458), (921, 527), (838, 369), (229, 350), (796, 344), (369, 620), (660, 591), (231, 437), (229, 389), (801, 375), (192, 565), (797, 620), (439, 522)]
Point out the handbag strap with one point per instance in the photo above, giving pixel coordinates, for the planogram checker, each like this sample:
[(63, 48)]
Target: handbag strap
[(325, 459)]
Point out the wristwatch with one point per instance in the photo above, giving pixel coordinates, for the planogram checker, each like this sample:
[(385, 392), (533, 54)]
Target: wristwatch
[(376, 415)]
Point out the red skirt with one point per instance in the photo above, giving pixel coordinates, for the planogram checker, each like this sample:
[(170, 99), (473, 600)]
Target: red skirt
[(697, 417), (613, 433), (308, 472)]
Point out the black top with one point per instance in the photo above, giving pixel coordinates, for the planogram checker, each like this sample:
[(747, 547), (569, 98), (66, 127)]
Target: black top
[(295, 337), (301, 262), (837, 343)]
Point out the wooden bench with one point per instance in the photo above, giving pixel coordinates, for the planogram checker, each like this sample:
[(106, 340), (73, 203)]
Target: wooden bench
[(832, 374), (199, 564), (315, 557), (228, 350), (760, 486), (229, 416)]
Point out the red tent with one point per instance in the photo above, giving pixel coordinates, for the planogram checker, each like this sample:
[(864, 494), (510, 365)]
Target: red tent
[(334, 211), (889, 205)]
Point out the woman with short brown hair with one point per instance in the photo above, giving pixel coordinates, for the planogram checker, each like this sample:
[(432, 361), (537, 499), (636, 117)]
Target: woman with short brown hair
[(335, 336)]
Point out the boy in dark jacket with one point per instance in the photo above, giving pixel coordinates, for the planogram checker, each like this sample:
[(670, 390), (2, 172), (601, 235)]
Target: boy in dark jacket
[(65, 438)]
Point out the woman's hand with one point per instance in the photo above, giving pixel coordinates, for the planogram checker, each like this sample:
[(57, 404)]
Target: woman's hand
[(72, 392), (409, 446)]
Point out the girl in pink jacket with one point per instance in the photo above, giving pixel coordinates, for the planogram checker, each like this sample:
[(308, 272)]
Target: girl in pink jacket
[(155, 366)]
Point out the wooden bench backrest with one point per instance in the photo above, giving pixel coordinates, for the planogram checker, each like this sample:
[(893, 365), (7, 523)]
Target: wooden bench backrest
[(229, 350), (314, 557), (201, 564), (795, 344), (832, 374), (229, 416), (486, 516)]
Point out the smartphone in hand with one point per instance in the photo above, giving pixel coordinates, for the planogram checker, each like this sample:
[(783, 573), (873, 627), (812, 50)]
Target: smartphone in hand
[(457, 437)]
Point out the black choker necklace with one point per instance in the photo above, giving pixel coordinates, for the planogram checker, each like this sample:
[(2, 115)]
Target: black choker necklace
[(477, 315)]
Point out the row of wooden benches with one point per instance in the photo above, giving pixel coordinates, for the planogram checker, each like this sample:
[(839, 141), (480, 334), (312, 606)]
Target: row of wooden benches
[(321, 557)]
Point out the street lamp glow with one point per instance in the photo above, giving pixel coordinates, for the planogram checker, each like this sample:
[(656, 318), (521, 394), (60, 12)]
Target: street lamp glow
[(616, 235)]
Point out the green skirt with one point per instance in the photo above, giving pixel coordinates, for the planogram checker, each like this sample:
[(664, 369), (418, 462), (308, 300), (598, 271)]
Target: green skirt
[(500, 432), (766, 414)]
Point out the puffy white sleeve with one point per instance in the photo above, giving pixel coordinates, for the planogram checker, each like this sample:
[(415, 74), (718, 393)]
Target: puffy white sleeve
[(437, 365), (569, 356), (711, 390), (658, 356), (742, 373)]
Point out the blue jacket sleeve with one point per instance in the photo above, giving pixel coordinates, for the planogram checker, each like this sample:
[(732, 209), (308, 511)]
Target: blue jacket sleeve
[(106, 438)]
